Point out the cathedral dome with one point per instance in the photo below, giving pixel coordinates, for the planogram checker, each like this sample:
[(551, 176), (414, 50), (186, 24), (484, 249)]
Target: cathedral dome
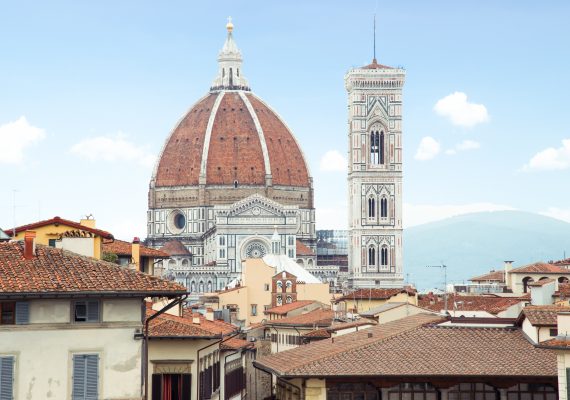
[(231, 137)]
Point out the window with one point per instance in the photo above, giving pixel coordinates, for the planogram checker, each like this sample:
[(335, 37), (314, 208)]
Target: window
[(279, 285), (51, 242), (171, 386), (371, 208), (85, 377), (384, 257), (6, 377), (472, 391), (279, 300), (289, 299), (381, 148), (8, 312), (553, 332), (266, 287), (254, 310), (86, 311), (374, 148), (352, 391), (288, 284), (413, 391), (384, 208), (371, 256)]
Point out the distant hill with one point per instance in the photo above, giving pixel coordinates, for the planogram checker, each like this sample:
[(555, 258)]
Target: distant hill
[(473, 244)]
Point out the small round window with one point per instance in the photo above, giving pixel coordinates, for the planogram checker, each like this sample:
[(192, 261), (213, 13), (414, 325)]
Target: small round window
[(179, 221)]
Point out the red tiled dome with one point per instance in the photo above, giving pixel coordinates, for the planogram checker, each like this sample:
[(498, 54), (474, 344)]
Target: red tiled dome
[(231, 136)]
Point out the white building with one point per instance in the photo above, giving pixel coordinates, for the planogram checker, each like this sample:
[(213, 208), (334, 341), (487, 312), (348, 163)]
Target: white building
[(375, 175), (230, 171)]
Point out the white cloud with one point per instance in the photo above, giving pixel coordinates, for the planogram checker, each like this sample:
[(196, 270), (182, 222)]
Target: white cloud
[(461, 112), (113, 149), (15, 137), (333, 161), (335, 217), (550, 158), (428, 149), (558, 213), (417, 214), (463, 146)]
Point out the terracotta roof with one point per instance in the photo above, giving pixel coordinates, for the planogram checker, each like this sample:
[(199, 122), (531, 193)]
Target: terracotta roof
[(234, 151), (555, 343), (375, 65), (541, 282), (285, 308), (303, 250), (122, 248), (317, 333), (339, 326), (542, 268), (565, 261), (375, 294), (413, 346), (60, 221), (55, 271), (235, 344), (175, 248), (318, 317), (490, 304), (172, 326), (498, 276), (543, 315)]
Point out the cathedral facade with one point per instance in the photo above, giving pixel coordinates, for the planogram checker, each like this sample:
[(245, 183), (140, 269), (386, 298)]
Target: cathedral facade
[(375, 175), (230, 174)]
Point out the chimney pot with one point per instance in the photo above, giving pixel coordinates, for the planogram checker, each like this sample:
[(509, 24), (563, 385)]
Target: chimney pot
[(29, 245), (136, 239), (369, 335)]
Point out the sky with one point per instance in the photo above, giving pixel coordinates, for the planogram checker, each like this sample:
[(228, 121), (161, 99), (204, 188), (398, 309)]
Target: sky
[(89, 92)]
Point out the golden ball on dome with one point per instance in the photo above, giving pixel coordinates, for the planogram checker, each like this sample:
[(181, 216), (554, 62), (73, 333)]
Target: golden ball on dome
[(230, 26)]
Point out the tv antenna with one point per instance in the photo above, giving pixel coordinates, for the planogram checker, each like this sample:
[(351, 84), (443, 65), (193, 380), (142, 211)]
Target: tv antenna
[(444, 268)]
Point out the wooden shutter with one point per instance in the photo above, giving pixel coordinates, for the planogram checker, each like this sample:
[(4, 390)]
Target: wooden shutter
[(78, 378), (6, 378), (93, 311), (157, 387), (92, 377), (85, 377), (22, 313)]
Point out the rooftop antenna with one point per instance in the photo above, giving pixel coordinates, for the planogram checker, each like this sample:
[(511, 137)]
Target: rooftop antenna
[(444, 267), (14, 212)]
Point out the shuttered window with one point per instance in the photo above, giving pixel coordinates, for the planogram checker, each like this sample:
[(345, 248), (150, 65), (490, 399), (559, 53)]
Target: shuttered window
[(7, 378), (22, 313), (85, 377), (86, 311)]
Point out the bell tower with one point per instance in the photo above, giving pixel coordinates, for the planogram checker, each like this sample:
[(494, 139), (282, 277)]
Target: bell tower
[(375, 175)]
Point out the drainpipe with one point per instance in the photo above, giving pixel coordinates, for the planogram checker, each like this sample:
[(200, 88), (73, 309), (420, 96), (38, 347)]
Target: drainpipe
[(176, 302)]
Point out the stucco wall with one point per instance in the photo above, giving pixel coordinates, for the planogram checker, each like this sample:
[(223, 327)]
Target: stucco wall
[(314, 291), (44, 360), (398, 313)]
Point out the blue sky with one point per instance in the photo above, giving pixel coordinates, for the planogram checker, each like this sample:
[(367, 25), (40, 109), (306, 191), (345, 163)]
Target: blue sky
[(77, 78)]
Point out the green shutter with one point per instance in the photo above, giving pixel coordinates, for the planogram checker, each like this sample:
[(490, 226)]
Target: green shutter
[(22, 313)]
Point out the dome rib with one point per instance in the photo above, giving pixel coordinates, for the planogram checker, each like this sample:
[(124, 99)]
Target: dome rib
[(260, 133), (208, 138)]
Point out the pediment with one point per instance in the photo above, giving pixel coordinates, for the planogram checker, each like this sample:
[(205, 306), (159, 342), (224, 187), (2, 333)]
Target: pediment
[(256, 206)]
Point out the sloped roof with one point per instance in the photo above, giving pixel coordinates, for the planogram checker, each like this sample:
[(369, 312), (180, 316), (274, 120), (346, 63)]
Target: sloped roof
[(374, 65), (383, 307), (235, 344), (175, 248), (543, 315), (4, 235), (285, 308), (62, 221), (565, 261), (413, 346), (172, 326), (375, 294), (59, 272), (542, 268), (122, 248), (303, 250), (541, 282), (498, 276), (490, 304), (318, 317)]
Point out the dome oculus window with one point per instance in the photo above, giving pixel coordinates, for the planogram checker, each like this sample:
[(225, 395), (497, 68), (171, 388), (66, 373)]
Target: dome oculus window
[(176, 222)]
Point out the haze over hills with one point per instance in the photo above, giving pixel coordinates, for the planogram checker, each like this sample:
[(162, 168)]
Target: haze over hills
[(473, 244)]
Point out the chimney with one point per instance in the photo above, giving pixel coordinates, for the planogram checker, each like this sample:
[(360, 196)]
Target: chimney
[(196, 318), (29, 245), (88, 221), (508, 278), (563, 322), (209, 314), (136, 253)]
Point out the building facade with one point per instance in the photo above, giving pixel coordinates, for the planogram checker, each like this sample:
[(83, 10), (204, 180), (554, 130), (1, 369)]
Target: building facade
[(230, 173), (375, 175)]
